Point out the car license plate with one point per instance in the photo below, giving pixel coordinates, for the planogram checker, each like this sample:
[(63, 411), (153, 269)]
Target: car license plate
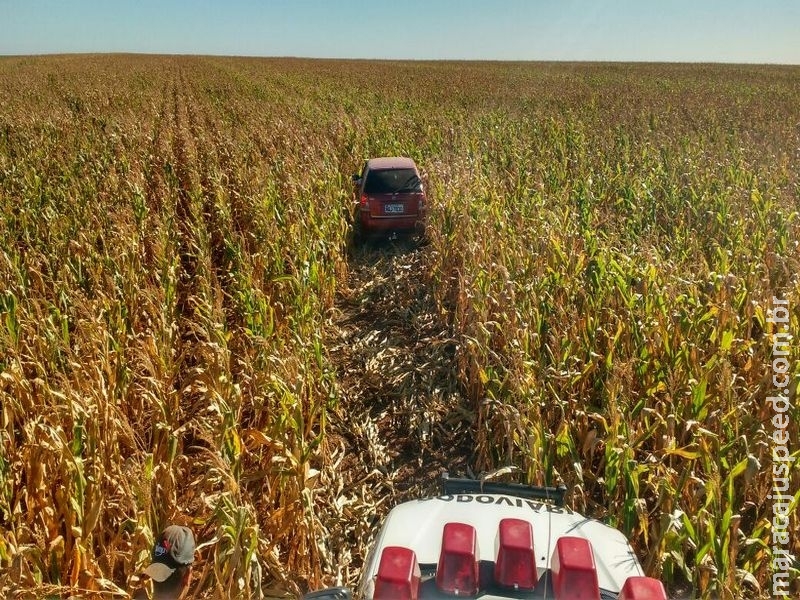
[(393, 208)]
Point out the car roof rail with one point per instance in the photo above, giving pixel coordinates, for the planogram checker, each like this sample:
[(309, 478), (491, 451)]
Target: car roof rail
[(455, 485)]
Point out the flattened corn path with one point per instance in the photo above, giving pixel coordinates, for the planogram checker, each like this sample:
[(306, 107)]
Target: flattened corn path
[(401, 415)]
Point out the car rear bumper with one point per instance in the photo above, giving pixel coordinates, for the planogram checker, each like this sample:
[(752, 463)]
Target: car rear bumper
[(378, 224)]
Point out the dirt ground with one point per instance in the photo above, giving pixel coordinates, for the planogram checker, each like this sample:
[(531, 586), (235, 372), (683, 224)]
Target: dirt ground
[(395, 360)]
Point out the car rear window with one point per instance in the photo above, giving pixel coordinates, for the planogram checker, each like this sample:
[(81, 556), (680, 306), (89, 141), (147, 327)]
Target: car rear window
[(392, 181)]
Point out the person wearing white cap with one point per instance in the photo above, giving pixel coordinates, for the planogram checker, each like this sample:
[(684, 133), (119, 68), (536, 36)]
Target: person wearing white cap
[(171, 568)]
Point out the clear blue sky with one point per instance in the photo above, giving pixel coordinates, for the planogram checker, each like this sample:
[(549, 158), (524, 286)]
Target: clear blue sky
[(641, 30)]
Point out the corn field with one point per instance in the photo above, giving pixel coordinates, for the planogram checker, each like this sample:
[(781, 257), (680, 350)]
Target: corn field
[(187, 334)]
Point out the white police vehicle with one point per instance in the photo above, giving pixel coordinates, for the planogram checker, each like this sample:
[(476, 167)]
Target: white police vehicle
[(497, 541)]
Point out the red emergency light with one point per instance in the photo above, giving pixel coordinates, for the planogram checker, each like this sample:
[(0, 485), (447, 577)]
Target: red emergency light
[(515, 566), (642, 588), (574, 570), (457, 573), (398, 575)]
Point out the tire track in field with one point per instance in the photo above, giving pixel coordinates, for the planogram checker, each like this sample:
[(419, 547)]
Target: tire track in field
[(169, 348), (395, 358), (181, 172), (217, 153), (208, 262), (153, 164), (197, 303), (399, 417), (227, 219), (212, 219)]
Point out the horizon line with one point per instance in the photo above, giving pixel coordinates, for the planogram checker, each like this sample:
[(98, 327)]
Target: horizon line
[(410, 60)]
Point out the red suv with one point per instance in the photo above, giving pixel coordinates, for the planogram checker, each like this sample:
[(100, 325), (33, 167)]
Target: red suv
[(389, 198)]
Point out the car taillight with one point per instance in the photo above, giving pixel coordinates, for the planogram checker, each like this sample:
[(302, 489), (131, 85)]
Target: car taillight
[(398, 575), (364, 201), (642, 588), (516, 563), (574, 571), (457, 572)]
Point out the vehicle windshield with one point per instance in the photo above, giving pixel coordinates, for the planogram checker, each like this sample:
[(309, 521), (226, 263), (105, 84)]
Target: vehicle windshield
[(392, 181)]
